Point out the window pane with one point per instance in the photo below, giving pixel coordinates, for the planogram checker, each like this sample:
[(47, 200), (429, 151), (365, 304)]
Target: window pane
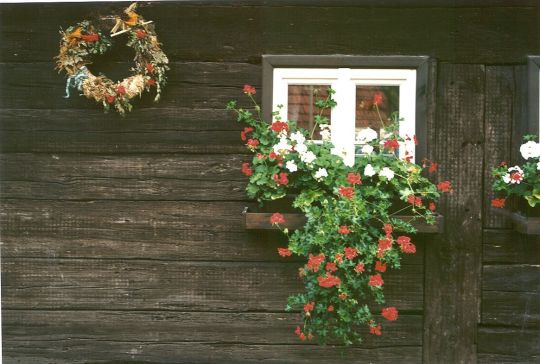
[(375, 105), (301, 105)]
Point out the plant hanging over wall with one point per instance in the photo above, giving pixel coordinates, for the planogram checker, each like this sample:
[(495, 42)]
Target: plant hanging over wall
[(85, 40), (351, 236), (524, 180)]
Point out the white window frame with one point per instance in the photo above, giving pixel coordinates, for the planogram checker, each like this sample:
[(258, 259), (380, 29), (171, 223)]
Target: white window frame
[(344, 81)]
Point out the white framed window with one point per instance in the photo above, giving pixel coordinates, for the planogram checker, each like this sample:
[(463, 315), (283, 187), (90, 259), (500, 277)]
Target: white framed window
[(401, 83), (296, 89)]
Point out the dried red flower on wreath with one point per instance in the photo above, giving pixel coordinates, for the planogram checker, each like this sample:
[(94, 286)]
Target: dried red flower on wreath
[(151, 82), (141, 34), (110, 99), (90, 38), (150, 67)]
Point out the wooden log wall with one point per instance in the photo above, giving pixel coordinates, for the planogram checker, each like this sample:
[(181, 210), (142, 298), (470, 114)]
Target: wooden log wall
[(123, 240)]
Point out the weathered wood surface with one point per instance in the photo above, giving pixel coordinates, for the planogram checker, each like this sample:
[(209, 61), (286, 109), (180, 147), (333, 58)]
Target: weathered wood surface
[(507, 246), (521, 342), (207, 85), (520, 309), (488, 358), (511, 278), (94, 284), (243, 33), (499, 108), (194, 352), (189, 177), (453, 264), (176, 327)]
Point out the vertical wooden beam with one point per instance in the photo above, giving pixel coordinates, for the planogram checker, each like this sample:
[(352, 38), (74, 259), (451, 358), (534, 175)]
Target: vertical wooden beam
[(453, 262)]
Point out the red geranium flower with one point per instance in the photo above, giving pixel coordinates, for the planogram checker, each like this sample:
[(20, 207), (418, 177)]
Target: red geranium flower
[(403, 240), (278, 126), (246, 169), (344, 230), (380, 266), (388, 230), (250, 90), (315, 261), (376, 280), (281, 179), (377, 98), (391, 144), (354, 178), (329, 281), (384, 245), (408, 248), (350, 253), (252, 143), (347, 192), (302, 337), (243, 134), (141, 34), (330, 308), (390, 313), (498, 202), (298, 330), (338, 258), (432, 206), (414, 200), (90, 38), (375, 330), (110, 98), (516, 176), (433, 167), (331, 267), (308, 307), (284, 252), (277, 219), (359, 268), (444, 186)]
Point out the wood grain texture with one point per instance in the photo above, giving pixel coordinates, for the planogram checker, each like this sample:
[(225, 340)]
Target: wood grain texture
[(80, 351), (519, 342), (243, 33), (95, 284), (210, 327), (453, 264), (521, 309), (507, 246), (123, 177), (511, 278), (208, 85), (499, 108)]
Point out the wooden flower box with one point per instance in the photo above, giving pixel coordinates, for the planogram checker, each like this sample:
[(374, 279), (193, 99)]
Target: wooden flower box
[(525, 220)]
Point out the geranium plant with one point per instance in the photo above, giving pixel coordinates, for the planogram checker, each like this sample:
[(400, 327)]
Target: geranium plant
[(520, 180), (352, 235)]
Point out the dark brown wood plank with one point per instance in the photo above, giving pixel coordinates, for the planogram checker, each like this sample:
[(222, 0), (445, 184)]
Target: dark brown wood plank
[(521, 309), (499, 110), (158, 326), (261, 221), (453, 262), (192, 85), (474, 35), (123, 177), (511, 278), (487, 358), (523, 343), (56, 216), (77, 351), (506, 246), (94, 284)]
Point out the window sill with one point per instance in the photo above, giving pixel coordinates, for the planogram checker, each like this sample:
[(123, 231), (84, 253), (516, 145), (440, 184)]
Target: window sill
[(293, 221)]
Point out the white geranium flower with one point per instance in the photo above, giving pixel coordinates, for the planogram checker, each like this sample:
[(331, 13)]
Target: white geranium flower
[(308, 157), (291, 166), (321, 173), (530, 149), (369, 170), (366, 135), (325, 134), (514, 176), (283, 146), (538, 166), (387, 172), (367, 149), (298, 137), (300, 148)]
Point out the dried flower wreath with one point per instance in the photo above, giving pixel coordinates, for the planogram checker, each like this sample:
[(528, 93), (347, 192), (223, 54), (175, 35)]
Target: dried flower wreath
[(84, 40)]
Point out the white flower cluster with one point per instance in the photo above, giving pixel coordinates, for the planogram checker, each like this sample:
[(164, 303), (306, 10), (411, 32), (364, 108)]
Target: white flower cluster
[(386, 172), (366, 135), (321, 173), (325, 132), (284, 146), (531, 149)]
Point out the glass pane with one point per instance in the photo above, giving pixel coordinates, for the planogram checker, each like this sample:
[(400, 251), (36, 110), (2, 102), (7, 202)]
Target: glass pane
[(374, 107), (301, 105)]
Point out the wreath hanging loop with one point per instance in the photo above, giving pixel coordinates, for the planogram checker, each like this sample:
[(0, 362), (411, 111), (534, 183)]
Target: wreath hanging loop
[(85, 40)]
